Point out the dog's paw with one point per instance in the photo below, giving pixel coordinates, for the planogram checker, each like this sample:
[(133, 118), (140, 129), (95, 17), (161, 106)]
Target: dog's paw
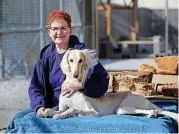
[(59, 116), (56, 116), (153, 113), (63, 116)]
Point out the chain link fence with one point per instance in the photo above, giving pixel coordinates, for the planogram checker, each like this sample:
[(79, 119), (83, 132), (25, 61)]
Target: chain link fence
[(23, 32)]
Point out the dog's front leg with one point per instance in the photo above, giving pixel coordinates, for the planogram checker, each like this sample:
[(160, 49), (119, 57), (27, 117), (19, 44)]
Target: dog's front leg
[(61, 109), (50, 112), (74, 112), (88, 113), (65, 114)]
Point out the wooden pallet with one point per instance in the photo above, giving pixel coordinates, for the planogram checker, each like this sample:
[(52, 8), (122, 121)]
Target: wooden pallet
[(159, 80), (164, 79), (162, 97)]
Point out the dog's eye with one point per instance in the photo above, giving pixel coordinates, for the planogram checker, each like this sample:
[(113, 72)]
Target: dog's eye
[(80, 61), (71, 60)]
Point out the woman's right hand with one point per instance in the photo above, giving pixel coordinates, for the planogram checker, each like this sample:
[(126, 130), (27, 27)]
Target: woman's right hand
[(69, 88), (45, 112)]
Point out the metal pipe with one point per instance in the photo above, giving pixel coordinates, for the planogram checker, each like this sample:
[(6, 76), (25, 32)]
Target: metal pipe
[(93, 23), (41, 24), (82, 35), (61, 4), (96, 29), (19, 30), (3, 62), (2, 45), (30, 29), (166, 26)]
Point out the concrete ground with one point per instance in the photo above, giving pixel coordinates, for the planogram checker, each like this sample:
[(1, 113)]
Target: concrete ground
[(13, 98), (14, 91), (125, 64)]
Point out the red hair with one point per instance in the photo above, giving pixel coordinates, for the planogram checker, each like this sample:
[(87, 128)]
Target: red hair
[(58, 15)]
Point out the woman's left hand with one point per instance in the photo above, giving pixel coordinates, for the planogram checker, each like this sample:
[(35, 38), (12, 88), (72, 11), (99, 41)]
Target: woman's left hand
[(68, 88)]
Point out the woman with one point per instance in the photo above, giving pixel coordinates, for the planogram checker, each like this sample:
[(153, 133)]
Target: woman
[(47, 78)]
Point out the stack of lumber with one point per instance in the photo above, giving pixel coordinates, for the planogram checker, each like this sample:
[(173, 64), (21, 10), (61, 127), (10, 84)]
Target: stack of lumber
[(136, 81), (147, 79)]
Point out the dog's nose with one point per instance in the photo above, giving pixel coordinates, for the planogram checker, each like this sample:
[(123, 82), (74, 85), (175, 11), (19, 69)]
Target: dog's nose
[(75, 75)]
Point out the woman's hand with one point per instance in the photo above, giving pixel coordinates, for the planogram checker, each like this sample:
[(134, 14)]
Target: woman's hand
[(45, 112), (68, 88)]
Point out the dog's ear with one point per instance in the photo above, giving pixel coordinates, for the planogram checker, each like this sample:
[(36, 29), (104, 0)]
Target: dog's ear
[(91, 57), (65, 63)]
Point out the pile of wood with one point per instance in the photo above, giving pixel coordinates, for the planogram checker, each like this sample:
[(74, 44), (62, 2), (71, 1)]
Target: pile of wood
[(141, 81), (136, 81), (163, 65), (170, 89)]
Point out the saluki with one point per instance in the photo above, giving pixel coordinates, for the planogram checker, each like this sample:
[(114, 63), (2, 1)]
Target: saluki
[(75, 65)]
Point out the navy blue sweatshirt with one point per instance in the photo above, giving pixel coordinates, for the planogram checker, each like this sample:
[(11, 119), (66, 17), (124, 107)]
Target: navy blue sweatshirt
[(47, 77)]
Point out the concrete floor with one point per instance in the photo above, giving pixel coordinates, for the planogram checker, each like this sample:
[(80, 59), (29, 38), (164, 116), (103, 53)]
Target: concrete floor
[(13, 98)]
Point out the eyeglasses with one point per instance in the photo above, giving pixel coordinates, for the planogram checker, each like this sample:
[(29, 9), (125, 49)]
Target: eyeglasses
[(56, 29)]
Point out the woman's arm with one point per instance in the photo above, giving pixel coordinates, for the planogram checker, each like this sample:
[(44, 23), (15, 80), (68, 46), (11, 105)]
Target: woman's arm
[(36, 89), (96, 82)]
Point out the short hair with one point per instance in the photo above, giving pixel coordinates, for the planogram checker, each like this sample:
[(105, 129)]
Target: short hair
[(57, 15)]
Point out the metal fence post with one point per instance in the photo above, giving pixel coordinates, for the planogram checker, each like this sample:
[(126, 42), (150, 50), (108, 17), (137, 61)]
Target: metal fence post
[(82, 29), (1, 44), (93, 24), (166, 26), (61, 4), (41, 24)]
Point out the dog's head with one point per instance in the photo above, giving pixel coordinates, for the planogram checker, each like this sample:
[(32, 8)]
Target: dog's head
[(75, 63)]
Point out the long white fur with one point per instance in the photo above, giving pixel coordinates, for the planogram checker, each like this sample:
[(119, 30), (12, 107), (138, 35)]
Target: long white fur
[(110, 103)]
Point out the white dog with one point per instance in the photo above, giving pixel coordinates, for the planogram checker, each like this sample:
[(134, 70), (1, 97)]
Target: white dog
[(75, 65)]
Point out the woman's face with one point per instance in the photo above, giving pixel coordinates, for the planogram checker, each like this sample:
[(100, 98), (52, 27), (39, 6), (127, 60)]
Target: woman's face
[(59, 32)]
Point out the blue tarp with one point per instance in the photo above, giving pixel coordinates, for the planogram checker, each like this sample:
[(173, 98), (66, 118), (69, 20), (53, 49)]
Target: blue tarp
[(27, 122)]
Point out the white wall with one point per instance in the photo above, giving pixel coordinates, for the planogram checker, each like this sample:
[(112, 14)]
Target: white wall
[(157, 4), (152, 4)]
